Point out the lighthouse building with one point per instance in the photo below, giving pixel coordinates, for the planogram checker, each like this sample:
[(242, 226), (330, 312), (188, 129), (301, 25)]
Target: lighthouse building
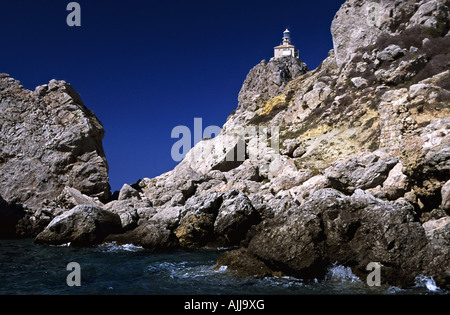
[(286, 48)]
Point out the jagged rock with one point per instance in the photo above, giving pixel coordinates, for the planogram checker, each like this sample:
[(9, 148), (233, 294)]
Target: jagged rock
[(244, 264), (81, 226), (268, 79), (235, 216), (351, 230), (404, 72), (361, 172), (391, 53), (71, 197), (299, 151), (438, 250), (428, 14), (360, 23), (196, 228), (145, 212), (168, 186), (127, 212), (359, 82), (289, 146), (168, 217), (128, 192), (435, 226), (304, 191), (223, 153), (396, 184), (156, 237), (151, 236), (289, 178), (245, 171), (436, 147), (48, 140)]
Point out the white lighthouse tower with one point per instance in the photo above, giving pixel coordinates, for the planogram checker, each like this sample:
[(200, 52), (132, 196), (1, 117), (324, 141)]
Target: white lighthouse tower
[(286, 48)]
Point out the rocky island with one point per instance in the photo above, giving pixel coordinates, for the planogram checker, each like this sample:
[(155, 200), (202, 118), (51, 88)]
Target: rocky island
[(360, 171)]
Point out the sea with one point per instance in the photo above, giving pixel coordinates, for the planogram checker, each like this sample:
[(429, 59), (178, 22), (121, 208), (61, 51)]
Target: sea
[(112, 269)]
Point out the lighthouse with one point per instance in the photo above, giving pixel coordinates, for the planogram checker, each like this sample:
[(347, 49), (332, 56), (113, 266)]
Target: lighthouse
[(286, 48)]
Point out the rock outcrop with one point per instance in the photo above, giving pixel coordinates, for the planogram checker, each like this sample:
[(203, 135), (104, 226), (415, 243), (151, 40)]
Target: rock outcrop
[(48, 140), (353, 230)]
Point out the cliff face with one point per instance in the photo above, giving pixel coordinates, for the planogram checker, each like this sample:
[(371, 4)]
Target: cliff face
[(363, 157), (347, 163), (48, 140)]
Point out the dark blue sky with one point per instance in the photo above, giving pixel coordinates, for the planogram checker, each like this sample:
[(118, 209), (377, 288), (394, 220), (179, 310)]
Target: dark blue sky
[(146, 66)]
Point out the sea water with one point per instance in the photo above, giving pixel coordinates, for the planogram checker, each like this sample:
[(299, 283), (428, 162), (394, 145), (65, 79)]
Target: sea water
[(26, 268)]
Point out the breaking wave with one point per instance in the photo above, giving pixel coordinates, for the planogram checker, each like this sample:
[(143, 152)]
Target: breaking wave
[(113, 247), (341, 273), (422, 281)]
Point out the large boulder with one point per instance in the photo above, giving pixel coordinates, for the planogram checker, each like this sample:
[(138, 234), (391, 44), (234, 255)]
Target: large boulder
[(235, 217), (152, 236), (196, 227), (81, 226), (396, 183), (363, 172)]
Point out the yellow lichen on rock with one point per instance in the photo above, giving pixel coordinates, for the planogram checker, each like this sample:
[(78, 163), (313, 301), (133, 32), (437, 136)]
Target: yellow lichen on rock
[(319, 130), (272, 103)]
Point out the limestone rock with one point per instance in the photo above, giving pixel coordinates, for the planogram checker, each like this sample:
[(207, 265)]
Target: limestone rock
[(359, 82), (48, 140), (361, 172), (151, 236), (268, 79), (244, 264), (428, 14), (436, 146), (196, 228), (438, 250), (235, 216), (127, 192), (391, 53), (168, 217), (127, 212), (354, 230), (360, 23), (71, 197), (81, 226), (396, 184)]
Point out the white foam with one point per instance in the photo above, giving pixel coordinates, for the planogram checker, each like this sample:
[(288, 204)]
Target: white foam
[(113, 247), (426, 282), (222, 269), (394, 290), (341, 273)]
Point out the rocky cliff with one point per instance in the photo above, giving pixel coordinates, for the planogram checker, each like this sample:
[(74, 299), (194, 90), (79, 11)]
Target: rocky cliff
[(48, 140), (347, 163)]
